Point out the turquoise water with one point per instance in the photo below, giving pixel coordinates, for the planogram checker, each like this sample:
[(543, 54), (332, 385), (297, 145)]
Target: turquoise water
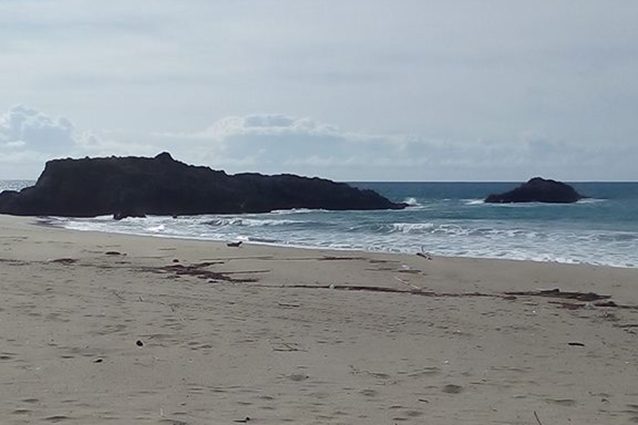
[(444, 219)]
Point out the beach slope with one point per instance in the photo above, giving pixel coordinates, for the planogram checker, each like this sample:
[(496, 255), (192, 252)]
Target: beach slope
[(105, 328)]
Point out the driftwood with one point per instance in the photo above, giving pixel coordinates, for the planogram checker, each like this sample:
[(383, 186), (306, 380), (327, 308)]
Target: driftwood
[(557, 293), (334, 258), (576, 306), (508, 296), (199, 270), (65, 261), (385, 289), (288, 305), (587, 299)]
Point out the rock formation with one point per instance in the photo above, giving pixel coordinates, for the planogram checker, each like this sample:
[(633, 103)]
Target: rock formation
[(136, 186), (538, 190)]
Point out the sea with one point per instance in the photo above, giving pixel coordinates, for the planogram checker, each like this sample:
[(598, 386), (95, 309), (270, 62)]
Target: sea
[(447, 219)]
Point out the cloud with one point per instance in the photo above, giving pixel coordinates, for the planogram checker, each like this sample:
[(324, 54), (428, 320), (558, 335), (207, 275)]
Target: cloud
[(275, 143), (259, 124), (279, 143), (22, 127), (28, 138)]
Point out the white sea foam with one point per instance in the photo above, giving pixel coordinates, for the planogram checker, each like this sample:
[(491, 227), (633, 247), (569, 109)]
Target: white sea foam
[(297, 211), (156, 229), (250, 222), (411, 202), (590, 201), (412, 227)]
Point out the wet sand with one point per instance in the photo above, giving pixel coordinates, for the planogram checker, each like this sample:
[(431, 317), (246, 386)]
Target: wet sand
[(114, 329)]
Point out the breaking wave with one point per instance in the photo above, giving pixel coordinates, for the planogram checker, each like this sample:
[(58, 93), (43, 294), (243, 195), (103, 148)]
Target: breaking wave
[(411, 202), (250, 222)]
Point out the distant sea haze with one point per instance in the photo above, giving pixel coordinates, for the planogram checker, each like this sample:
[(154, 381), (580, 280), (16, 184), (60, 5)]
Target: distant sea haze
[(443, 218)]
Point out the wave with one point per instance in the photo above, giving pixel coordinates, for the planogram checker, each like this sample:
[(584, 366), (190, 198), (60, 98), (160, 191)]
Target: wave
[(487, 233), (156, 229), (499, 233), (591, 201), (585, 201), (616, 237), (298, 211), (450, 229), (251, 222), (411, 202), (411, 227)]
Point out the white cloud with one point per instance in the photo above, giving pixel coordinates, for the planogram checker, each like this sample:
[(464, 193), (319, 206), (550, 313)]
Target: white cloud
[(275, 143), (259, 124), (22, 127), (278, 143), (28, 138)]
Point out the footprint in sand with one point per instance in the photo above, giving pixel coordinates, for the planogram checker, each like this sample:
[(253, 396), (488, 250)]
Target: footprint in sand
[(7, 356), (633, 410), (298, 377), (452, 389), (568, 402), (173, 422), (408, 415), (56, 418)]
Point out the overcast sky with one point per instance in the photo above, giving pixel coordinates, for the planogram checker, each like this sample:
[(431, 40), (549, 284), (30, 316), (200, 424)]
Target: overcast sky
[(351, 90)]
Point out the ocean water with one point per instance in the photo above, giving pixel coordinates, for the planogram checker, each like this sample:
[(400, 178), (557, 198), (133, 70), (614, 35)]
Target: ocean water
[(444, 219)]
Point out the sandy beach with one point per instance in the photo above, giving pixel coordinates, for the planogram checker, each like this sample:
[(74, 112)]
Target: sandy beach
[(104, 328)]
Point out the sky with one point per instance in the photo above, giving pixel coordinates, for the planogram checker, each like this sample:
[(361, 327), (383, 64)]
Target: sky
[(402, 90)]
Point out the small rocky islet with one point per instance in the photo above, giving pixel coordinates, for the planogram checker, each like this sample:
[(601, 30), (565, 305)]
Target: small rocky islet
[(538, 189)]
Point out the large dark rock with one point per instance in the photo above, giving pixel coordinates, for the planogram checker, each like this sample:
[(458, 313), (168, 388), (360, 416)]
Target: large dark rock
[(135, 186), (538, 190)]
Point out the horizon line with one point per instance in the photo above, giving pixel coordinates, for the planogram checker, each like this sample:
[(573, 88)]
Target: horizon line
[(417, 181)]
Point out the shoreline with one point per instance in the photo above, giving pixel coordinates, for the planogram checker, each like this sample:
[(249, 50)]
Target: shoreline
[(304, 336), (47, 221), (583, 271)]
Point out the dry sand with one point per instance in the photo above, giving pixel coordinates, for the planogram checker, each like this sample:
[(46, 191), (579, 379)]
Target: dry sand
[(227, 336)]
